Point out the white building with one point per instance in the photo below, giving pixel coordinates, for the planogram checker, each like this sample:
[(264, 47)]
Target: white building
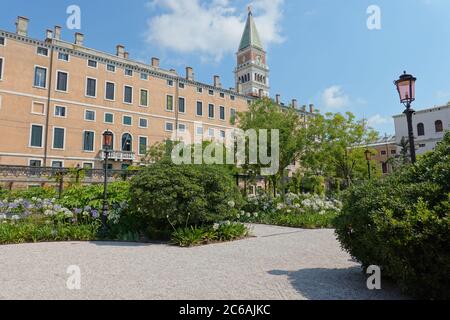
[(429, 126)]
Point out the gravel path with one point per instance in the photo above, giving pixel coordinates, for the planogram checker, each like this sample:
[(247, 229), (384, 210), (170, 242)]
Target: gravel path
[(278, 263)]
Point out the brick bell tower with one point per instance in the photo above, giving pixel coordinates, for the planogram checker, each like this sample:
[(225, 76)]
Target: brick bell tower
[(252, 72)]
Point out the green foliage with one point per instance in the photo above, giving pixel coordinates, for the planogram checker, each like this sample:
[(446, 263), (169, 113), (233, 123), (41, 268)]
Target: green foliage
[(194, 236), (165, 194), (39, 231), (307, 220), (81, 196), (402, 224), (37, 192)]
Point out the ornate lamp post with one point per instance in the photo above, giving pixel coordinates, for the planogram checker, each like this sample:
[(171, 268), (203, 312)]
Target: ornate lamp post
[(407, 91), (368, 155), (108, 143)]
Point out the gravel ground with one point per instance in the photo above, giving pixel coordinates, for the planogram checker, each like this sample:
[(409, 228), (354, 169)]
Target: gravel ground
[(278, 263)]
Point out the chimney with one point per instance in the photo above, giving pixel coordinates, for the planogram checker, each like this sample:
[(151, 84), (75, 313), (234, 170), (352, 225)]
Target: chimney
[(57, 33), (311, 108), (294, 104), (304, 108), (120, 51), (261, 93), (126, 55), (79, 39), (22, 26), (49, 34), (217, 83), (155, 62), (189, 73), (278, 99)]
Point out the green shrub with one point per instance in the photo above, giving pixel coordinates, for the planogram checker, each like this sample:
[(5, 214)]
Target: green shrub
[(194, 236), (165, 195), (36, 192), (402, 225), (82, 196)]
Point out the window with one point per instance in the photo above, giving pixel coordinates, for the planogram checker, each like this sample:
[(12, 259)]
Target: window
[(169, 126), (142, 145), (2, 41), (144, 76), (222, 112), (57, 164), (63, 56), (393, 152), (439, 126), (89, 115), (199, 90), (169, 103), (232, 98), (127, 120), (181, 105), (38, 108), (421, 129), (58, 138), (181, 85), (110, 91), (211, 92), (385, 167), (88, 166), (383, 153), (128, 72), (211, 132), (62, 81), (111, 68), (143, 123), (1, 68), (170, 83), (233, 116), (88, 141), (35, 163), (422, 145), (127, 142), (92, 64), (91, 87), (42, 51), (222, 134), (181, 127), (36, 136), (60, 111), (211, 111), (199, 108), (40, 77), (222, 95), (143, 102), (128, 95), (109, 118), (199, 131)]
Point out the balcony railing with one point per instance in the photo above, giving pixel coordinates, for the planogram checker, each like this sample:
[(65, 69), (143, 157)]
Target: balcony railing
[(119, 155)]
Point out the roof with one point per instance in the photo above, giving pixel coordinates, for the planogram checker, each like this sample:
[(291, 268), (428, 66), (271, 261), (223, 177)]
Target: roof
[(250, 37)]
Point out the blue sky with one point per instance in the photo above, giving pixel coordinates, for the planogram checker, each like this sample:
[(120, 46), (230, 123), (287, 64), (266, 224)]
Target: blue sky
[(319, 51)]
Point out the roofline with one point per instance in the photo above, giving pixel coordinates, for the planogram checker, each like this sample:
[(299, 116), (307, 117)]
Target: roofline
[(424, 110)]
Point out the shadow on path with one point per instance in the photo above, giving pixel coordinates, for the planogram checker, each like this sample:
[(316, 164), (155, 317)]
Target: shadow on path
[(337, 284)]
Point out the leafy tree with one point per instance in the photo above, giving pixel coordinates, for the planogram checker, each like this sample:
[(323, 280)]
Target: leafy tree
[(265, 114), (333, 149)]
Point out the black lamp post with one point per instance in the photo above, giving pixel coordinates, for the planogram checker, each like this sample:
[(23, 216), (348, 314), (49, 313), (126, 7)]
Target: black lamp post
[(108, 143), (407, 91), (368, 155)]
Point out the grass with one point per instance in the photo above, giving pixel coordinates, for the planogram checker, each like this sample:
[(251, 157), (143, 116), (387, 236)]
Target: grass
[(298, 220)]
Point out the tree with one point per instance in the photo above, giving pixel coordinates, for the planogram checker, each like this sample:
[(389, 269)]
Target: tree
[(334, 149), (266, 114)]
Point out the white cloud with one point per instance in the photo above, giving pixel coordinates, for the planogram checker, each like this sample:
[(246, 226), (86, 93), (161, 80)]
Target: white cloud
[(210, 28), (379, 120), (335, 98)]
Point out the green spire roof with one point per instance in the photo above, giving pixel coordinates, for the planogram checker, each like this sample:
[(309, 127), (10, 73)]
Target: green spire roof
[(250, 38)]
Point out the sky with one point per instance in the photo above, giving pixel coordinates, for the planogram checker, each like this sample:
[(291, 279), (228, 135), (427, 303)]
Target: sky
[(319, 52)]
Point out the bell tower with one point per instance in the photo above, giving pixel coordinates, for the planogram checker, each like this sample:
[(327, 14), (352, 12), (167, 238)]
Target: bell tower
[(252, 72)]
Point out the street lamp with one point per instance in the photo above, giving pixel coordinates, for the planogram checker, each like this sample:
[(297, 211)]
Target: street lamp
[(368, 155), (407, 92), (108, 144)]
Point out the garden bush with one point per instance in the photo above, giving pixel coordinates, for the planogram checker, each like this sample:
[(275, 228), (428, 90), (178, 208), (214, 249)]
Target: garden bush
[(402, 225), (167, 196)]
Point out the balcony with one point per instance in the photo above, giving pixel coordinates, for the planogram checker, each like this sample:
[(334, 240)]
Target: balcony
[(119, 155)]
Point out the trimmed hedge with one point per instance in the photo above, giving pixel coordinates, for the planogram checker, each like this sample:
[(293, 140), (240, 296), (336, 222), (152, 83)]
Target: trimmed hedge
[(402, 225)]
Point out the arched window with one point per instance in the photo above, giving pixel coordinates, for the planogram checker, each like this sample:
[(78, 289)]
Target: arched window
[(421, 129), (127, 142), (439, 126)]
